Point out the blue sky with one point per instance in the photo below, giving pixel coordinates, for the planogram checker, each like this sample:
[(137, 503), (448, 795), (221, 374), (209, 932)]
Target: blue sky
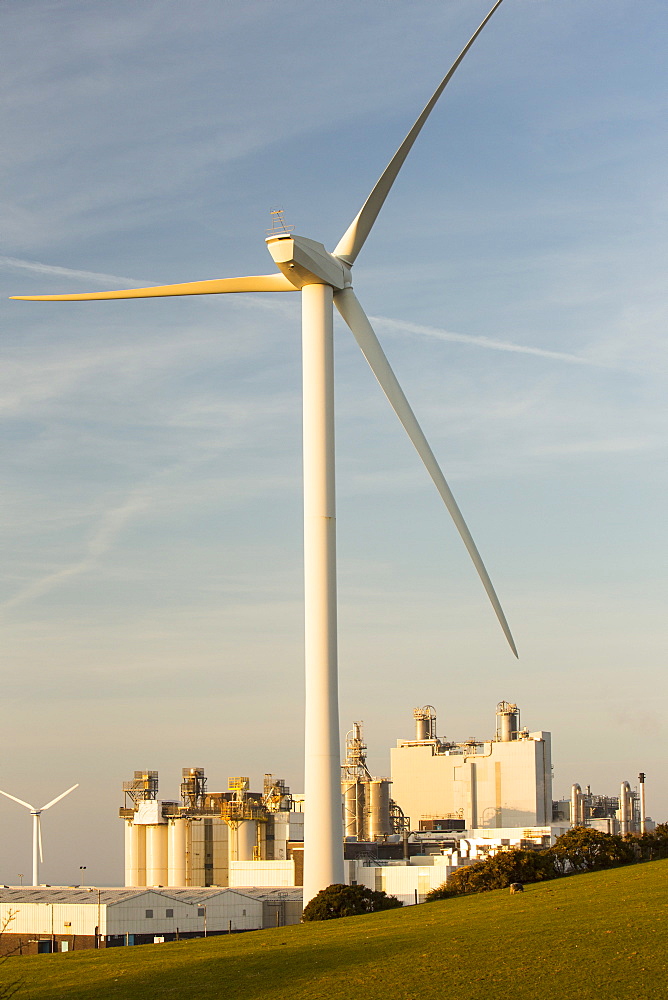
[(151, 477)]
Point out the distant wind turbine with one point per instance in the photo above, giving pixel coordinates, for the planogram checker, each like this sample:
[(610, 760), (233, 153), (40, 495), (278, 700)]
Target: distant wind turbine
[(37, 854), (325, 278)]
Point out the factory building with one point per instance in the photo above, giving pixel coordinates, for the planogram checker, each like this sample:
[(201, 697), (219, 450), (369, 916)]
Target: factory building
[(50, 919), (483, 787), (211, 838)]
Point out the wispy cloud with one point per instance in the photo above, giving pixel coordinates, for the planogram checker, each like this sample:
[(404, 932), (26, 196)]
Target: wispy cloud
[(37, 267), (489, 343)]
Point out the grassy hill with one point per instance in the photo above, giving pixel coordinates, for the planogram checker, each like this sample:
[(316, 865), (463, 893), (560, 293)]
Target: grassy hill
[(583, 937)]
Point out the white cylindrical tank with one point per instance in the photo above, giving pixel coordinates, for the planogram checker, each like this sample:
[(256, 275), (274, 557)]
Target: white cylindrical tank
[(135, 854), (577, 818), (176, 851), (625, 808), (156, 854), (379, 808), (246, 840), (242, 840)]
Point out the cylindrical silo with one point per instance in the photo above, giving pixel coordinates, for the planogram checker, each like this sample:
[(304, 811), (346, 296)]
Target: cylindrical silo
[(246, 840), (176, 851), (156, 854), (135, 854), (379, 808)]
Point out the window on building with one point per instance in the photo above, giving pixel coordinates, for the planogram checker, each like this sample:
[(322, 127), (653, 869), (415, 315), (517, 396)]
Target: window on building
[(200, 911), (169, 913), (149, 914), (243, 912)]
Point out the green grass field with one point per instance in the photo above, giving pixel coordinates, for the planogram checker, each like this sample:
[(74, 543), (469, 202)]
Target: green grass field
[(602, 934)]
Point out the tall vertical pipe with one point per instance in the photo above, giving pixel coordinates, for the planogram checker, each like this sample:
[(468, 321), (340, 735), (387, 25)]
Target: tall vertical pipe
[(625, 809), (323, 829), (641, 779), (577, 819)]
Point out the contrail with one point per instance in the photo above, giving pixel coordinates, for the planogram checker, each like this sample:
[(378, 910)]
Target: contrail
[(36, 266), (110, 525), (494, 345)]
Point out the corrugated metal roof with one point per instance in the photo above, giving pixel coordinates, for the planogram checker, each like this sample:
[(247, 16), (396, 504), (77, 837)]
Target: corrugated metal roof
[(59, 894), (107, 897), (269, 892)]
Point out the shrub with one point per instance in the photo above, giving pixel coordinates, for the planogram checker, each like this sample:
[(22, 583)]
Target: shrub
[(347, 901), (584, 850), (497, 873)]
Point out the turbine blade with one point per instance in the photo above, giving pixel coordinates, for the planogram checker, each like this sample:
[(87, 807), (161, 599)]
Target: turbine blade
[(256, 283), (59, 797), (353, 314), (14, 799), (355, 236), (39, 839)]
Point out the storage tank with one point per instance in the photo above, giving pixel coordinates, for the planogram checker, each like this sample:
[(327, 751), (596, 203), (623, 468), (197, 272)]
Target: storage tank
[(156, 854), (379, 808), (507, 721), (176, 851), (135, 854), (425, 723), (243, 839)]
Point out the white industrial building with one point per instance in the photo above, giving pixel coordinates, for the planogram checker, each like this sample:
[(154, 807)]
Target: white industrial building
[(49, 919), (482, 787)]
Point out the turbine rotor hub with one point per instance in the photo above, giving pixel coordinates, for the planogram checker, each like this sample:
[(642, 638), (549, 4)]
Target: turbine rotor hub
[(305, 262)]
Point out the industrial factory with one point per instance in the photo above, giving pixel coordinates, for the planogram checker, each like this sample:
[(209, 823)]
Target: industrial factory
[(211, 838), (220, 862)]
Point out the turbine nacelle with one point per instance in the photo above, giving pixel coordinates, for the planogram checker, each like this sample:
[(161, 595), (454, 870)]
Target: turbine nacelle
[(305, 262)]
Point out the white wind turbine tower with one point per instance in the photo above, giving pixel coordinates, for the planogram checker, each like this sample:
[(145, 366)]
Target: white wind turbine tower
[(325, 278), (37, 854)]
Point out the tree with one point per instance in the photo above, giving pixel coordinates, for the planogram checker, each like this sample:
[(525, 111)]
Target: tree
[(584, 850), (347, 901)]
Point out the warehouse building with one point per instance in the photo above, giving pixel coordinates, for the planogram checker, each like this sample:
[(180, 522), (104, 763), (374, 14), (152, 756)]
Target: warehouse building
[(60, 919)]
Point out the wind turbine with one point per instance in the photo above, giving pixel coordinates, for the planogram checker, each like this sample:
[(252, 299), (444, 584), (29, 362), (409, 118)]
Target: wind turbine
[(325, 279), (37, 854)]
